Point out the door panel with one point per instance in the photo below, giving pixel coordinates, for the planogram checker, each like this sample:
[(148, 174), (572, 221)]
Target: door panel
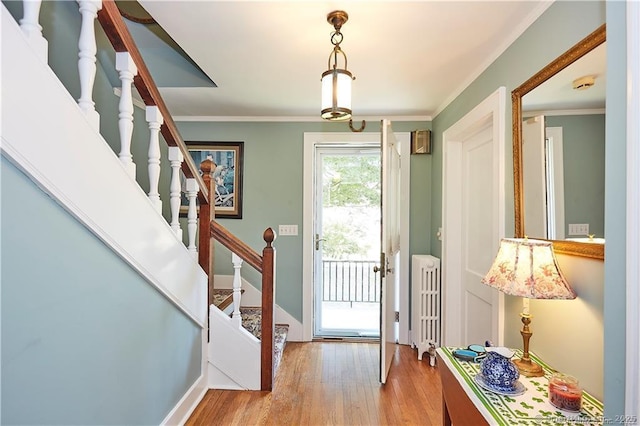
[(346, 242), (390, 240), (477, 229)]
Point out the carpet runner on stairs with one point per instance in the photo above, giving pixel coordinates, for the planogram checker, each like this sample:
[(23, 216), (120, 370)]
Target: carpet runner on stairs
[(252, 321)]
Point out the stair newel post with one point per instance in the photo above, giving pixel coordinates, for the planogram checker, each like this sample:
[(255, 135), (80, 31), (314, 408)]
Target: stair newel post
[(32, 29), (155, 120), (87, 59), (175, 190), (207, 214), (127, 69), (268, 299), (192, 216), (237, 289)]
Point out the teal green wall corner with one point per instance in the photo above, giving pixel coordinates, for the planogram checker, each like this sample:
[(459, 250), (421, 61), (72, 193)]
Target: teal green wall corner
[(273, 193), (615, 212), (85, 339)]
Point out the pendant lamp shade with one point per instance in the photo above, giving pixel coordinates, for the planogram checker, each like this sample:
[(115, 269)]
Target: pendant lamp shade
[(336, 94)]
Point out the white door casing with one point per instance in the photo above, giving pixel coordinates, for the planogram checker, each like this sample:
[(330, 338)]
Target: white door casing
[(311, 140), (473, 222)]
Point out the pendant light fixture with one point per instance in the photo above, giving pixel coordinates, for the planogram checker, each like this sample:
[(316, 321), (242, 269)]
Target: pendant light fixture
[(336, 82)]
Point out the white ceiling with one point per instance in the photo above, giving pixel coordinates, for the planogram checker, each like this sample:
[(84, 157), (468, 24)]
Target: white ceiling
[(410, 58)]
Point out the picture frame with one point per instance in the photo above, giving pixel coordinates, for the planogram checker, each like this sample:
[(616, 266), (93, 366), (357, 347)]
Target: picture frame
[(227, 175)]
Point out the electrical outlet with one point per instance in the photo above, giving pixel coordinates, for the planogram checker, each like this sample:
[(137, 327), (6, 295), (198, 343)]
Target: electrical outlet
[(284, 230), (578, 229)]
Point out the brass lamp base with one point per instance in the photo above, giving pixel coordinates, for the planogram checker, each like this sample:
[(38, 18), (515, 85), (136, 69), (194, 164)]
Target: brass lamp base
[(528, 368)]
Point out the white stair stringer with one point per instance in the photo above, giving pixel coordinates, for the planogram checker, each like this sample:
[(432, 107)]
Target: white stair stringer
[(234, 354)]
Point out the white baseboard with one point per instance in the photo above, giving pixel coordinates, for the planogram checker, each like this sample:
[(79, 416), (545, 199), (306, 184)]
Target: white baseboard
[(253, 297), (188, 403)]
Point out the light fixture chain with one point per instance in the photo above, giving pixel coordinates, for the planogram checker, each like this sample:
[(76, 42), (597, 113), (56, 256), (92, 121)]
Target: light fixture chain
[(336, 38)]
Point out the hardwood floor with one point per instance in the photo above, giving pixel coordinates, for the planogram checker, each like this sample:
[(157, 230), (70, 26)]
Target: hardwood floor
[(322, 383)]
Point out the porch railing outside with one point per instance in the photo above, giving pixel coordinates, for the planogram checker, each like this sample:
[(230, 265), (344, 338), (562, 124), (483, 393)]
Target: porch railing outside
[(350, 281)]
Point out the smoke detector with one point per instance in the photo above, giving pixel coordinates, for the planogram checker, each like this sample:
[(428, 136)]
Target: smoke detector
[(584, 83)]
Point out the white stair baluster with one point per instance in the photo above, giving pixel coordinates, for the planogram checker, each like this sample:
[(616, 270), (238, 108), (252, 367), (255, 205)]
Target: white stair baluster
[(155, 120), (127, 70), (237, 287), (87, 59), (192, 217), (175, 192), (32, 29)]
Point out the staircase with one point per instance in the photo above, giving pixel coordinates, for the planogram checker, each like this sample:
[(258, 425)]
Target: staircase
[(117, 209)]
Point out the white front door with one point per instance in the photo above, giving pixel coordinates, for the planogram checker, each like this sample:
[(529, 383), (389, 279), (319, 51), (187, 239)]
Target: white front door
[(390, 236), (473, 223)]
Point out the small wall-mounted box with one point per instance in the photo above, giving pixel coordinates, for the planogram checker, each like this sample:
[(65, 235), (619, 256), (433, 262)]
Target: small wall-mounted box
[(421, 142)]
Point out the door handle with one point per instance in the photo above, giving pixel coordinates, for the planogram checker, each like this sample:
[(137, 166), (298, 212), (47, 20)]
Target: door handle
[(376, 269), (318, 239)]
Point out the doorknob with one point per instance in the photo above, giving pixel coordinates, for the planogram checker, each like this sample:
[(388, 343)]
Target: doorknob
[(376, 269), (318, 239)]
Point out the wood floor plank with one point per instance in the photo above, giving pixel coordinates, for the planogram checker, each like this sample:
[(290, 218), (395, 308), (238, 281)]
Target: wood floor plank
[(333, 383)]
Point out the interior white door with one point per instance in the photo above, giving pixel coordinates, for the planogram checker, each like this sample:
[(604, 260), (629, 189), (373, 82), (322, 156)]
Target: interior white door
[(477, 229), (534, 177), (473, 219), (390, 243)]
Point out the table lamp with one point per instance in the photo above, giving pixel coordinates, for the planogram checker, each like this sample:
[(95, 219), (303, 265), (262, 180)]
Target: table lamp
[(528, 268)]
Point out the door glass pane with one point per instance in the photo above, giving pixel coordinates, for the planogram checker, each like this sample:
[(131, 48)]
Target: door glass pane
[(347, 289)]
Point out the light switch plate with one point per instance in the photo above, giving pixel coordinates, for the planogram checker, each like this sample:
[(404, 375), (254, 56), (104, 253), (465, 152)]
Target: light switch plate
[(285, 230), (578, 229)]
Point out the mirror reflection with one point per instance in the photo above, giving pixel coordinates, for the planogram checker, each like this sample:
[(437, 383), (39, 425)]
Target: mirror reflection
[(563, 134), (558, 150)]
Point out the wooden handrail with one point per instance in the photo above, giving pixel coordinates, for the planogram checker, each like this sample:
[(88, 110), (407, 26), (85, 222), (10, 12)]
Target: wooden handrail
[(237, 246), (122, 41)]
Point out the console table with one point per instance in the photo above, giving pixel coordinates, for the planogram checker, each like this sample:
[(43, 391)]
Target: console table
[(464, 402)]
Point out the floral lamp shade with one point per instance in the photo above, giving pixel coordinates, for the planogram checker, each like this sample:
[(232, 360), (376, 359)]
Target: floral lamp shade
[(528, 268)]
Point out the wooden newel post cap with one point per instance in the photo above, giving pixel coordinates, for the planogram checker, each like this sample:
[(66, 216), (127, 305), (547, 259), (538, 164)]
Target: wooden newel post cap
[(269, 236), (207, 166)]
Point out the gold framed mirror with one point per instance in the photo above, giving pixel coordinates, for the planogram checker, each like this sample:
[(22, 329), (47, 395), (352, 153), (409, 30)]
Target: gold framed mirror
[(538, 204)]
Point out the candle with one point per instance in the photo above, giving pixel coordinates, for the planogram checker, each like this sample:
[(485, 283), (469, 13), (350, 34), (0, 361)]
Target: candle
[(564, 392), (525, 306)]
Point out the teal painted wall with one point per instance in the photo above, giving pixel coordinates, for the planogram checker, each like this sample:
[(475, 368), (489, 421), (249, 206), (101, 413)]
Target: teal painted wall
[(583, 154), (615, 208), (547, 38), (85, 339), (273, 190)]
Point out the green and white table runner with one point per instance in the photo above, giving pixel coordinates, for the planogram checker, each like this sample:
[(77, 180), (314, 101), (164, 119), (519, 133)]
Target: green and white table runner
[(531, 408)]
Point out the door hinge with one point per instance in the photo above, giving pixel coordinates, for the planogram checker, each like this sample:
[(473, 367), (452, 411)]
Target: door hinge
[(397, 316)]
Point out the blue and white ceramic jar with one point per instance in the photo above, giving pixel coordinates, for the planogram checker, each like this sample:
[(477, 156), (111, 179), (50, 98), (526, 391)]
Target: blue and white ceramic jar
[(498, 370)]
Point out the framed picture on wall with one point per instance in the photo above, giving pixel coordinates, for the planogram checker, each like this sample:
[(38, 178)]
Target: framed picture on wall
[(227, 175)]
